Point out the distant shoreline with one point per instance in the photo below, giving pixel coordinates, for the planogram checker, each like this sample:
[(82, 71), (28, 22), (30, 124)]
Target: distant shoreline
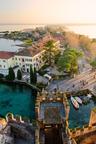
[(44, 24), (87, 29)]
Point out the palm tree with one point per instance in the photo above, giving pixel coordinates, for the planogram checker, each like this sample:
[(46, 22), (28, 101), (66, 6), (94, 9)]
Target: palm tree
[(49, 48)]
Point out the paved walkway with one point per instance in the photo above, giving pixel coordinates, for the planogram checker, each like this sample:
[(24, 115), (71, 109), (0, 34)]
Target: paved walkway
[(82, 81), (86, 79)]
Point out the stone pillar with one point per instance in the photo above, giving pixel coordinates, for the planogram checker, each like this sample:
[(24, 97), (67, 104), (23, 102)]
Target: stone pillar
[(10, 117), (92, 117), (21, 120), (37, 139)]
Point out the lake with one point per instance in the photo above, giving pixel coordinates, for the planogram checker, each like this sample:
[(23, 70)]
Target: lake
[(10, 45), (87, 30), (18, 100), (18, 27), (80, 117)]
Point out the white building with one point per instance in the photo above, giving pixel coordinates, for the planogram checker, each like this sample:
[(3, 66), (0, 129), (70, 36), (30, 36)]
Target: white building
[(28, 57), (24, 58), (6, 61)]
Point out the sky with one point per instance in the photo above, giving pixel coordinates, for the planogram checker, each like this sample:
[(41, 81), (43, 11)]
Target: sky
[(47, 11)]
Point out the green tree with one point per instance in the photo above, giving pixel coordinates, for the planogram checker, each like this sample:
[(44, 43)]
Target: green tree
[(35, 76), (28, 42), (71, 40), (11, 74), (19, 75), (31, 74), (93, 63), (84, 42), (69, 60), (51, 51)]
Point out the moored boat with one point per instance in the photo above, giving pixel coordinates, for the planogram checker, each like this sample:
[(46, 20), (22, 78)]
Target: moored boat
[(78, 100), (89, 96), (75, 103)]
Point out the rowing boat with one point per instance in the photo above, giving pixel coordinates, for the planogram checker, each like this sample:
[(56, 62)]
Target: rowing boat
[(75, 103), (78, 100)]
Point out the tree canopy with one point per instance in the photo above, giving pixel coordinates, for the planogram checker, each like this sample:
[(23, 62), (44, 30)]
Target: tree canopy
[(69, 60), (19, 75), (93, 63), (51, 51), (33, 75), (28, 42), (11, 74)]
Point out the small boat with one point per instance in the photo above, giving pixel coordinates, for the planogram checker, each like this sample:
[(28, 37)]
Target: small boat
[(78, 100), (75, 103), (89, 96)]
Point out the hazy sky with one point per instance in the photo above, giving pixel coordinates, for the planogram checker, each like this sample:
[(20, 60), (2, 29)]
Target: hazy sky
[(47, 11)]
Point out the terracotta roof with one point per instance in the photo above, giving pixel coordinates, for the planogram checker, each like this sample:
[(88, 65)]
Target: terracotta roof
[(59, 37), (6, 55), (32, 51), (36, 47)]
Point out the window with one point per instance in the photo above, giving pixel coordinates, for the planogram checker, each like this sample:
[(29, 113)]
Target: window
[(27, 64), (30, 60), (22, 59), (37, 59)]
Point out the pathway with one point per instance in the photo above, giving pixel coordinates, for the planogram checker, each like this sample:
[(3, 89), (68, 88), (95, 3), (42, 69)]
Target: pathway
[(81, 81)]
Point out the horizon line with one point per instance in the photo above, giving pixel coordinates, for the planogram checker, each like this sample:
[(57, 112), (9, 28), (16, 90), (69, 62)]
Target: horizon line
[(48, 24)]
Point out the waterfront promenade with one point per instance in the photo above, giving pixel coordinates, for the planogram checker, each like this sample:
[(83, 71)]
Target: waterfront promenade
[(86, 80)]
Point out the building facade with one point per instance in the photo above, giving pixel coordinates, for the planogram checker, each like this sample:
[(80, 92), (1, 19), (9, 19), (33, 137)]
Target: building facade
[(24, 58), (20, 60), (6, 61)]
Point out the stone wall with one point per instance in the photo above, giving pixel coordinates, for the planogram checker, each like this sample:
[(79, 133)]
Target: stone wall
[(92, 120)]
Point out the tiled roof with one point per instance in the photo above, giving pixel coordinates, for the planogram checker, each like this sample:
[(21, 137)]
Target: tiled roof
[(32, 51), (59, 37), (6, 55), (36, 48)]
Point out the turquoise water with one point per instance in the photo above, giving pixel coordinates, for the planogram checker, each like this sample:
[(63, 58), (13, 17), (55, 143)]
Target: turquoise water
[(17, 99), (80, 117), (9, 45)]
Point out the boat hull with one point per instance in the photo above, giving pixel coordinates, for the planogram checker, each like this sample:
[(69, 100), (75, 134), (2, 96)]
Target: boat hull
[(75, 103), (78, 100)]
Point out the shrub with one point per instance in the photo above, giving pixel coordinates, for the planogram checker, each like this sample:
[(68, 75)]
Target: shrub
[(1, 76), (19, 75)]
